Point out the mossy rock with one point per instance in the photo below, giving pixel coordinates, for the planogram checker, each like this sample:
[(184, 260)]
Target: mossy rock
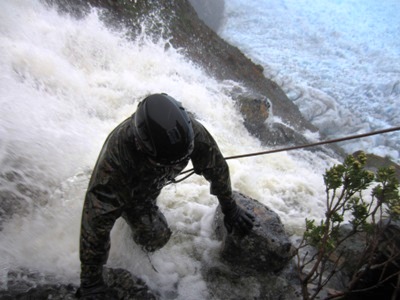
[(375, 162)]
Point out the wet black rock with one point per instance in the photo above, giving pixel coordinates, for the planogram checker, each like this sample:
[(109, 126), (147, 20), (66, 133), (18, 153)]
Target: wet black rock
[(265, 249), (23, 284), (256, 266)]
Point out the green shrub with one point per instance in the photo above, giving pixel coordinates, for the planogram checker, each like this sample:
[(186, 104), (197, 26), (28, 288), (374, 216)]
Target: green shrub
[(345, 184)]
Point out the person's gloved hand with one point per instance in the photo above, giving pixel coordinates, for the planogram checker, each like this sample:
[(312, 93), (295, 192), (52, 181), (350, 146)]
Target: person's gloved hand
[(236, 219)]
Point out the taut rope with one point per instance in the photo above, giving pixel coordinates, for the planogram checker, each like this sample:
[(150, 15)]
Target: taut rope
[(352, 137)]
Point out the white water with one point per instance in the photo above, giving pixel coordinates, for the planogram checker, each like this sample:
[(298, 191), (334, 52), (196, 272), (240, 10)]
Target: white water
[(65, 84), (338, 60)]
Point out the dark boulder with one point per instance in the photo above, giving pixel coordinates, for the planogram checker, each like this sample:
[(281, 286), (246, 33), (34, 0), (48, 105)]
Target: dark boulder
[(255, 109), (23, 284), (265, 249)]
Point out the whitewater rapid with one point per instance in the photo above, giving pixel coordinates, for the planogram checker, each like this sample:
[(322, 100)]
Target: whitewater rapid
[(339, 61), (65, 84)]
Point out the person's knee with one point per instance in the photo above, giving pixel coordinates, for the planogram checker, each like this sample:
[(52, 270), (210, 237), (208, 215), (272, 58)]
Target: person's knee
[(152, 233), (155, 241)]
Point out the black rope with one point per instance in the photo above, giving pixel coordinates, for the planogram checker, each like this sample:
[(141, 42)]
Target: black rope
[(182, 179), (151, 263), (352, 137)]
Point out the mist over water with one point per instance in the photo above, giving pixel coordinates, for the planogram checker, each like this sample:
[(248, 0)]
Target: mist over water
[(65, 84), (339, 61)]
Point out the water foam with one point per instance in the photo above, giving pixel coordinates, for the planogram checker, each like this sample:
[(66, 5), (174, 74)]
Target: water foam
[(337, 60)]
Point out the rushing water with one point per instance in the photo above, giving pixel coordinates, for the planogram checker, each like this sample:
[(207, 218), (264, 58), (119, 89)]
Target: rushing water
[(65, 84), (338, 60)]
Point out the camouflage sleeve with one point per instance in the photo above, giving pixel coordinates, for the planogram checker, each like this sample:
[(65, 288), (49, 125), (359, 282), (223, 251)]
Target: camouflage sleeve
[(98, 218), (101, 208), (97, 222), (208, 161)]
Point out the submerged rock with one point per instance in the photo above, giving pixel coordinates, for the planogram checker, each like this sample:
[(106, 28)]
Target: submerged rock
[(23, 284), (127, 285), (223, 284), (265, 249), (255, 110)]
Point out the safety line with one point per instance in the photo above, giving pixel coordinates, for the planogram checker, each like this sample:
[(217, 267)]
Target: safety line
[(316, 144), (352, 137)]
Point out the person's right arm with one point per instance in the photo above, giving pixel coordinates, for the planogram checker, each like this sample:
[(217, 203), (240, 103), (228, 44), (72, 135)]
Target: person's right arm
[(105, 197), (100, 211), (98, 218)]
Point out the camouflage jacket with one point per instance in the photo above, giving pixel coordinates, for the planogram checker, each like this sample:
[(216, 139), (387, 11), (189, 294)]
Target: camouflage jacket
[(124, 178)]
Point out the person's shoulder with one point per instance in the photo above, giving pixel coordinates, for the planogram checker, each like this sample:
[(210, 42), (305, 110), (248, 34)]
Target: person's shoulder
[(121, 140), (195, 122), (201, 134)]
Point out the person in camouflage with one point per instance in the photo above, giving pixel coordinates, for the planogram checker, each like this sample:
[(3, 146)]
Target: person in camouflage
[(139, 157)]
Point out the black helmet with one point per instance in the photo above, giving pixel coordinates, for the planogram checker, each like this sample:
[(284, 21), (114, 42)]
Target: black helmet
[(163, 129)]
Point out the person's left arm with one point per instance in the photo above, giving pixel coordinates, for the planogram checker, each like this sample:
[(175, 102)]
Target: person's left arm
[(209, 162)]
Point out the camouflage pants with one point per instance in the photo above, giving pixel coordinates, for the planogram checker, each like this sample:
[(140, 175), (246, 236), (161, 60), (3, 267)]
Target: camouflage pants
[(149, 227)]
